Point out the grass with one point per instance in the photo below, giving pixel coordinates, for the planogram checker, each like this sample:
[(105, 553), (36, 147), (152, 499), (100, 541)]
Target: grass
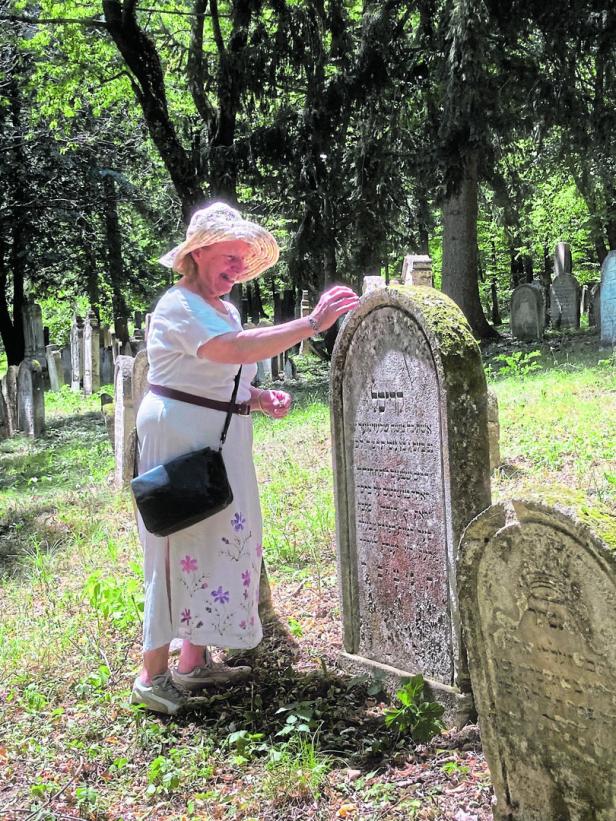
[(280, 746)]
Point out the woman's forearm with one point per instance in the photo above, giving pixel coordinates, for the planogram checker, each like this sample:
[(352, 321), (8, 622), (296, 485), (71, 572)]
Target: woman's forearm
[(255, 344)]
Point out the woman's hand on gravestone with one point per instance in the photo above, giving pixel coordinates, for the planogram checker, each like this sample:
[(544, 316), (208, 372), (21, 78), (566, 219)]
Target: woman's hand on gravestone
[(275, 404), (333, 303)]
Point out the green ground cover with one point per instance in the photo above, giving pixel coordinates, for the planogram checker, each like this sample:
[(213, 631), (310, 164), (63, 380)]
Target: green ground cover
[(299, 741)]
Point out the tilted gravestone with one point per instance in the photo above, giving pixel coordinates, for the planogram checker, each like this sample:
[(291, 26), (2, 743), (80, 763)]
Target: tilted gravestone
[(9, 392), (91, 354), (564, 291), (411, 466), (417, 270), (608, 300), (538, 603), (124, 421), (527, 312), (30, 398), (54, 367)]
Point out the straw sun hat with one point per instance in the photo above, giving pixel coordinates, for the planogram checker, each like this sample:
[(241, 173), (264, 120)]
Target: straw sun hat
[(221, 223)]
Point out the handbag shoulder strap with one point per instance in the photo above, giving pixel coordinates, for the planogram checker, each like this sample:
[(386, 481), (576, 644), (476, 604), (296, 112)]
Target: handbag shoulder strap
[(236, 385)]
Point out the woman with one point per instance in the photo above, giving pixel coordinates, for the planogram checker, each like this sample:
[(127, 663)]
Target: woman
[(202, 583)]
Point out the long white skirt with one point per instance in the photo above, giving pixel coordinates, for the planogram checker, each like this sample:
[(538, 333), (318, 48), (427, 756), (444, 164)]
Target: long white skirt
[(202, 583)]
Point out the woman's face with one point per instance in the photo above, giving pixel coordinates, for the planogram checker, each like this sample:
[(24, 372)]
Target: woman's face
[(219, 266)]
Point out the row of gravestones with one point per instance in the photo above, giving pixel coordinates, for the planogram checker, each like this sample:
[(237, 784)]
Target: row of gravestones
[(507, 609), (568, 301)]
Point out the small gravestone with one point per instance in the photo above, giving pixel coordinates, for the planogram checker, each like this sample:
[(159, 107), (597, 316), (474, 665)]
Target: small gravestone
[(105, 337), (107, 366), (30, 398), (608, 300), (124, 420), (564, 291), (538, 604), (138, 319), (527, 312), (594, 306), (77, 353), (493, 430), (417, 270), (54, 367), (371, 283), (137, 343), (65, 357), (91, 354), (411, 466), (141, 369), (9, 392), (121, 329)]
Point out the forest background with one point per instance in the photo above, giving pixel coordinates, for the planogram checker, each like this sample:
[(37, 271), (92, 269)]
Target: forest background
[(478, 131)]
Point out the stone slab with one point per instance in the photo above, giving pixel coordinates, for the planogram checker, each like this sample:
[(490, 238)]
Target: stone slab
[(565, 302), (527, 313), (537, 595), (411, 467), (608, 300)]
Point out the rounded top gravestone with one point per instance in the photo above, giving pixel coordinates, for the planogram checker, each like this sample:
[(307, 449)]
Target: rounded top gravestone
[(411, 465), (537, 594)]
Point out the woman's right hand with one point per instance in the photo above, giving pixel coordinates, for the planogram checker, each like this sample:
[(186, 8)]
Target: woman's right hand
[(332, 304)]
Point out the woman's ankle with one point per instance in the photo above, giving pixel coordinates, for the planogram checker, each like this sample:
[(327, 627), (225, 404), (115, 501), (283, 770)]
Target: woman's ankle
[(191, 657)]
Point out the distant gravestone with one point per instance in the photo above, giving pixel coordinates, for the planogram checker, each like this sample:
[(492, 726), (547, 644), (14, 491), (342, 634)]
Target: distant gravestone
[(9, 391), (608, 300), (54, 367), (106, 337), (493, 430), (538, 603), (527, 312), (264, 367), (141, 368), (65, 357), (417, 270), (594, 306), (30, 398), (411, 465), (107, 366), (91, 354), (138, 341), (121, 329), (124, 421), (77, 353), (371, 283), (305, 309), (138, 319), (564, 291)]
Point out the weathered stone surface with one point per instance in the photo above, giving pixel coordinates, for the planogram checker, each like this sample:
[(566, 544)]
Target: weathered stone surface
[(493, 430), (34, 337), (608, 300), (107, 366), (538, 604), (565, 302), (91, 354), (563, 264), (9, 391), (527, 312), (417, 270), (594, 306), (141, 368), (124, 423), (65, 356), (30, 398), (77, 353), (5, 428), (411, 466), (372, 283)]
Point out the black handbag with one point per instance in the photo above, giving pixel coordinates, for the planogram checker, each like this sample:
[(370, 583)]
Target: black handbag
[(187, 489)]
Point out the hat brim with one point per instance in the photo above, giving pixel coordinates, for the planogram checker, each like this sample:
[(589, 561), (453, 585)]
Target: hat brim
[(264, 251)]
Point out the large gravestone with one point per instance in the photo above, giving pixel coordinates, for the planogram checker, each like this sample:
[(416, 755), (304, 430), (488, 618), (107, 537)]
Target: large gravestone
[(527, 312), (141, 369), (608, 300), (538, 605), (564, 291), (411, 465), (124, 422), (30, 398), (9, 392), (77, 353)]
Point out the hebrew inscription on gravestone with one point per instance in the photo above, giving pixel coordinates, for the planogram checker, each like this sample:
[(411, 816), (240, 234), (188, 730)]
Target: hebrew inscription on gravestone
[(538, 604), (406, 482)]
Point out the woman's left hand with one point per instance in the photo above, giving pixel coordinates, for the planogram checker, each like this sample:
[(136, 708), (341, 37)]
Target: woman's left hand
[(275, 404)]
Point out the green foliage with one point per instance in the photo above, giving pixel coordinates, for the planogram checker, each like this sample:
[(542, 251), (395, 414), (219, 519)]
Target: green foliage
[(417, 717), (519, 364)]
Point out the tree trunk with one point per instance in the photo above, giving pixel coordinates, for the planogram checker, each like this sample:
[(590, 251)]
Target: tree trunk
[(460, 253)]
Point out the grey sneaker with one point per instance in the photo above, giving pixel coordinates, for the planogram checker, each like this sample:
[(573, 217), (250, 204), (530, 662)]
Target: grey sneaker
[(212, 674), (161, 696)]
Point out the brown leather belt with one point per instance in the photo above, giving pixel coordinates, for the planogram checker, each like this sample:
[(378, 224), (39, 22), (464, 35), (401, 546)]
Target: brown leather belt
[(242, 408)]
